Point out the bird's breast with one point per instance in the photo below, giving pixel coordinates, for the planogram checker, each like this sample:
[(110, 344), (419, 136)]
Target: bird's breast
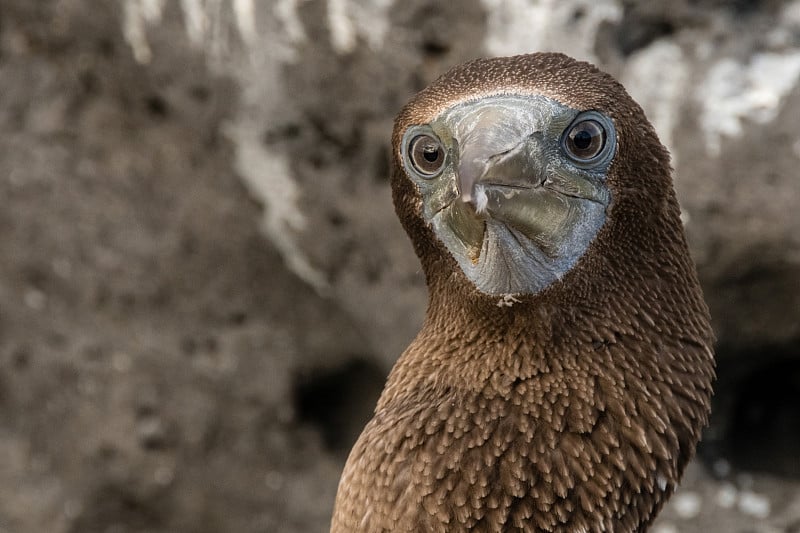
[(545, 453)]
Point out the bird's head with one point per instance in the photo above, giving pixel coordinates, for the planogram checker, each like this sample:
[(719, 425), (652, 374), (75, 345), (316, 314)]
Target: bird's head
[(515, 165)]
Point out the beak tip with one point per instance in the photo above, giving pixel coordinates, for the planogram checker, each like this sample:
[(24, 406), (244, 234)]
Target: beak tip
[(475, 201)]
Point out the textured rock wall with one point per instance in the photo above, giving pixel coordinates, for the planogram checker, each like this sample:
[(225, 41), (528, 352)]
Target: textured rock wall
[(321, 81), (202, 281)]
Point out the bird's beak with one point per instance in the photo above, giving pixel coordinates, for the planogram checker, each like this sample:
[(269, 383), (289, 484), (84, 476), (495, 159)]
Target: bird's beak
[(502, 174), (484, 163)]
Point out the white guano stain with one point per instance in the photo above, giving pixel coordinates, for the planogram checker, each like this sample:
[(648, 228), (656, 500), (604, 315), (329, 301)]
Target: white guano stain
[(208, 23), (245, 15), (735, 93), (343, 33), (196, 19), (268, 177), (349, 20), (522, 26), (731, 93), (286, 13), (657, 78), (211, 25), (137, 15), (266, 171)]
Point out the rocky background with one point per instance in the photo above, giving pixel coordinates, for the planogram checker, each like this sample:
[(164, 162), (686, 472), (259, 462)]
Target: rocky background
[(203, 284)]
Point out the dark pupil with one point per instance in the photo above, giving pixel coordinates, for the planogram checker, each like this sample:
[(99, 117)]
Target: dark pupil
[(582, 140), (430, 153)]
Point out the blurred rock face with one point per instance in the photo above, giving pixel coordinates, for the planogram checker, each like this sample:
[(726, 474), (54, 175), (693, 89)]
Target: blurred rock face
[(322, 80), (203, 281)]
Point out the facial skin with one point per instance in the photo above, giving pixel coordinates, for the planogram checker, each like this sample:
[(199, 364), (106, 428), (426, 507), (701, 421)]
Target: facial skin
[(514, 186)]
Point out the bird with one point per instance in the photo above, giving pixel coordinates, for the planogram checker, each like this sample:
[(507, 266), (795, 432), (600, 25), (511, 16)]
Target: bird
[(563, 373)]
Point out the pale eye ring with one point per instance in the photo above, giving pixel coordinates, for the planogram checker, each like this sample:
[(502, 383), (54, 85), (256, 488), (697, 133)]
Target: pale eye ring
[(426, 154)]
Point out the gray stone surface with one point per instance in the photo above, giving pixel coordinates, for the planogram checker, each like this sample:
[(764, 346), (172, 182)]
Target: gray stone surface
[(203, 284)]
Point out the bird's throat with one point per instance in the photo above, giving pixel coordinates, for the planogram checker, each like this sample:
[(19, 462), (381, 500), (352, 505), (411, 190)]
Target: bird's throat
[(522, 241)]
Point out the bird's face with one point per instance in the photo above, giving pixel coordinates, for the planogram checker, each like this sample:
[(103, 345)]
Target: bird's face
[(513, 185)]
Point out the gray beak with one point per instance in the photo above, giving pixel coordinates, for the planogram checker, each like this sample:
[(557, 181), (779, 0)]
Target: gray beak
[(487, 160)]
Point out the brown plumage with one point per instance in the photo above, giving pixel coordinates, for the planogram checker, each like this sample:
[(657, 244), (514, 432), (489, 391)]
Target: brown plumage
[(572, 409)]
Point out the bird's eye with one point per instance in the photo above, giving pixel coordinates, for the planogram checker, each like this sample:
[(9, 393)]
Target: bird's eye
[(426, 154), (585, 140)]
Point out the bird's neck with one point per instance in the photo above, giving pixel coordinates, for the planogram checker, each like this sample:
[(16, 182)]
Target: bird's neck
[(472, 350), (487, 346), (600, 385)]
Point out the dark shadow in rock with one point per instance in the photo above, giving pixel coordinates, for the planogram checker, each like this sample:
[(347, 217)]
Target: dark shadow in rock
[(339, 401), (756, 425), (638, 35), (764, 434)]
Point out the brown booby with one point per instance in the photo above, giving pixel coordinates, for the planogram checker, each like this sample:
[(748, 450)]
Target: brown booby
[(563, 372)]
